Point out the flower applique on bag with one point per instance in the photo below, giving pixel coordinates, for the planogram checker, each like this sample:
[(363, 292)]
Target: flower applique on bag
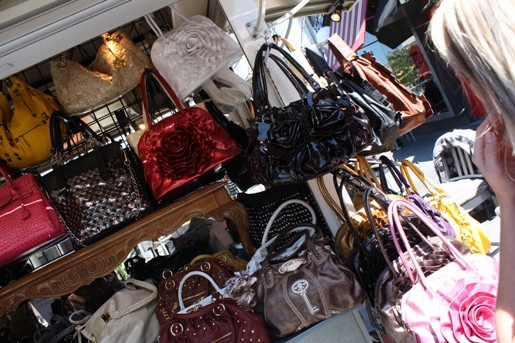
[(192, 52)]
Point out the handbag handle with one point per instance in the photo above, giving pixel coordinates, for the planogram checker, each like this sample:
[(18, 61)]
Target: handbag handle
[(399, 179), (139, 304), (198, 273), (152, 74), (363, 168), (396, 226), (280, 208), (408, 167), (259, 83), (306, 230)]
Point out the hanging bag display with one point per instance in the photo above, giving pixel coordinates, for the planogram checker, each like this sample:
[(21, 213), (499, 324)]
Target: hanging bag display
[(27, 220), (216, 319), (128, 316), (414, 109), (307, 138), (191, 53), (115, 71), (468, 230), (96, 193), (25, 132), (456, 303), (308, 285), (178, 150), (384, 120)]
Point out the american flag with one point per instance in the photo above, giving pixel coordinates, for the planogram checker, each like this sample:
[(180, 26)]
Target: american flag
[(351, 28)]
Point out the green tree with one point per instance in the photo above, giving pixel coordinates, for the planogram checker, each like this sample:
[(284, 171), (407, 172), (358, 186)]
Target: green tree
[(402, 66)]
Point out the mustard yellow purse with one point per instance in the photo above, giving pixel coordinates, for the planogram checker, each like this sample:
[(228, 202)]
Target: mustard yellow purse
[(25, 132), (468, 230)]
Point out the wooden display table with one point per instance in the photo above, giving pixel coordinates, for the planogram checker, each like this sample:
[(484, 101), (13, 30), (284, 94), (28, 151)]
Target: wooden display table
[(81, 267)]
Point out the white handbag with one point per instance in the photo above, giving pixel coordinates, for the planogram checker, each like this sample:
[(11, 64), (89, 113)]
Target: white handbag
[(227, 90), (191, 53), (128, 316)]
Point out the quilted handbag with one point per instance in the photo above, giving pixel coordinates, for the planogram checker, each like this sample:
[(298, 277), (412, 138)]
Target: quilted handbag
[(98, 192), (127, 316), (307, 286), (191, 53), (468, 230), (25, 132), (414, 109), (216, 319), (308, 137), (181, 148), (27, 220), (115, 71), (456, 303)]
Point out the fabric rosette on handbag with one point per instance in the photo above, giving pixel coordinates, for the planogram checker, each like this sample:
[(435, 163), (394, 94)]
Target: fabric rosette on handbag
[(307, 138), (27, 220), (414, 109), (191, 53), (181, 148), (115, 71), (468, 230), (96, 193), (217, 318), (128, 316), (384, 120), (301, 285), (25, 132), (455, 303)]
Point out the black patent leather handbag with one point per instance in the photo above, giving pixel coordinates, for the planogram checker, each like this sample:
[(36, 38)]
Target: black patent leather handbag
[(308, 137)]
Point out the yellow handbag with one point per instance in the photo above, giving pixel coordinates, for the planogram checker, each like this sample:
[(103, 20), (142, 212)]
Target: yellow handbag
[(468, 230), (25, 132), (344, 239)]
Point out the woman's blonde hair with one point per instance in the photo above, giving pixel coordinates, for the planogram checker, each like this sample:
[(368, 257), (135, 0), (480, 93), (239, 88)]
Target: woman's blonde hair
[(477, 39)]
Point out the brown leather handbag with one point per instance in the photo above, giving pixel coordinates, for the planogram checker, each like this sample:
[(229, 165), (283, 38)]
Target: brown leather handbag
[(309, 285), (414, 109), (195, 289)]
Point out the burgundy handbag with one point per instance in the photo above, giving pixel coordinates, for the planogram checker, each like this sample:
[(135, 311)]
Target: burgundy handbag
[(222, 320), (27, 220), (196, 288), (182, 147)]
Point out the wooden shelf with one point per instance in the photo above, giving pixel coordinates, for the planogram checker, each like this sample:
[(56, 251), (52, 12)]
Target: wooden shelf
[(81, 267)]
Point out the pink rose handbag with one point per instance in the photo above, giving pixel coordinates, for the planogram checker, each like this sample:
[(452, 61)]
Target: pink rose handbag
[(456, 303)]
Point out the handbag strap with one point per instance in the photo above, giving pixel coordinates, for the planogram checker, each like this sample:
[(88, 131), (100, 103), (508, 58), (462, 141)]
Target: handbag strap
[(306, 231), (363, 168), (259, 83), (402, 183), (190, 274), (146, 77), (280, 208), (139, 304), (396, 227), (153, 25), (408, 168)]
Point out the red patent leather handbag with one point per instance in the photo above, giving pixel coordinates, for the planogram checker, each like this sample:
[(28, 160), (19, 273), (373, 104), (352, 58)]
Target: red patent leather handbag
[(180, 148), (27, 220)]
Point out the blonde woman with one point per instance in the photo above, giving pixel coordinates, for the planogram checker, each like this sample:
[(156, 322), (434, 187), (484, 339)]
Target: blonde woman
[(477, 39)]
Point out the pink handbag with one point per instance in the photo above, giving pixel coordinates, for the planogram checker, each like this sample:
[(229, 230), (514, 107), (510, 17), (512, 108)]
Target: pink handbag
[(27, 220), (455, 303)]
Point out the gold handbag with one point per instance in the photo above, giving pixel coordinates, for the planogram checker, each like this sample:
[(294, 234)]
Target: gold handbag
[(117, 69), (345, 241), (25, 132), (468, 230)]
